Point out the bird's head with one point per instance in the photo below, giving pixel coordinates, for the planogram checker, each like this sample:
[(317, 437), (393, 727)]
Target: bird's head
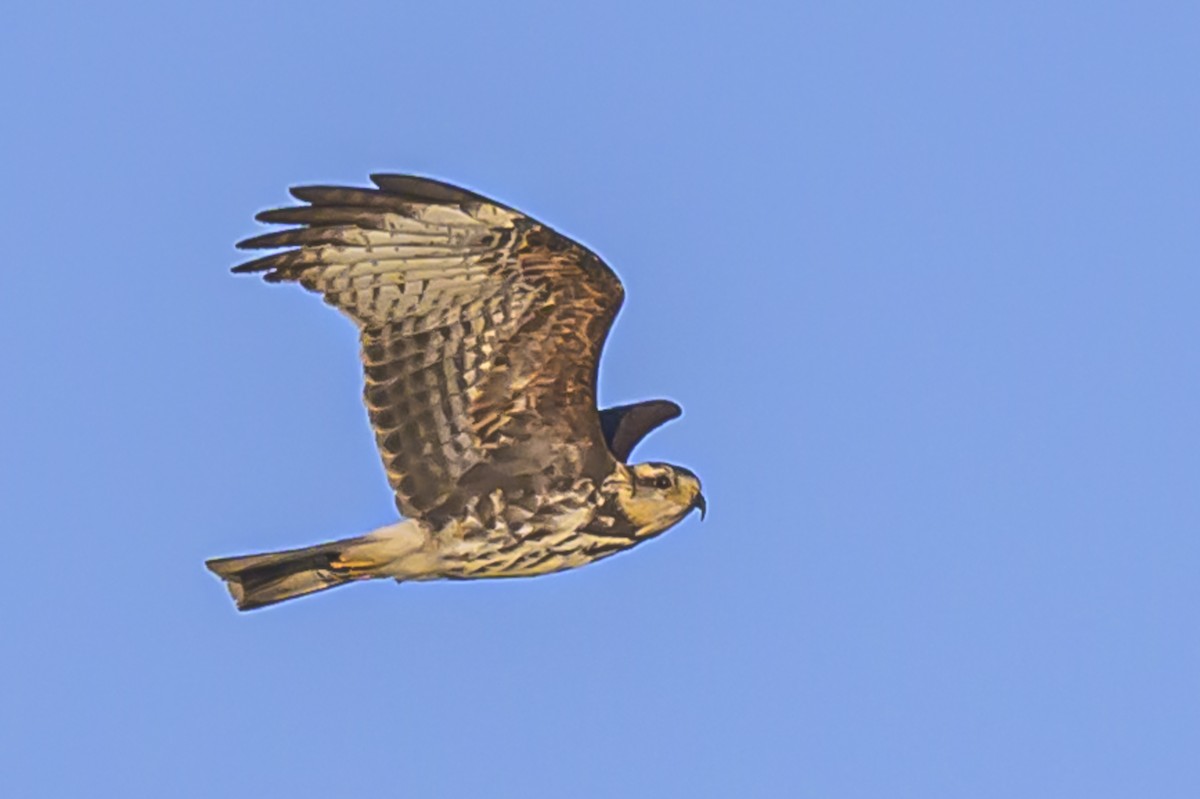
[(657, 495)]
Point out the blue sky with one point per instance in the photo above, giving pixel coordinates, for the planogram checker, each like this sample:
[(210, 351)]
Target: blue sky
[(923, 275)]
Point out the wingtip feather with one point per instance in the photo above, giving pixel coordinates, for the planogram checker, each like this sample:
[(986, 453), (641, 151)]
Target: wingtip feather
[(268, 263)]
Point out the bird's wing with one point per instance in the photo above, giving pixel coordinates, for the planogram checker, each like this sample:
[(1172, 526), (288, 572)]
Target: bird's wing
[(481, 333), (626, 425)]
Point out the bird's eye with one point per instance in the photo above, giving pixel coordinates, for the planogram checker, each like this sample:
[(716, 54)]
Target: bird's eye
[(662, 481)]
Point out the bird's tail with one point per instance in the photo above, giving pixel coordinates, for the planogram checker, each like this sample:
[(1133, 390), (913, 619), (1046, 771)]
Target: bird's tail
[(259, 580)]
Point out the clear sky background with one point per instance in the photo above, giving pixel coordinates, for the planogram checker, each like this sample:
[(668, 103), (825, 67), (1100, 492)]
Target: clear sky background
[(924, 276)]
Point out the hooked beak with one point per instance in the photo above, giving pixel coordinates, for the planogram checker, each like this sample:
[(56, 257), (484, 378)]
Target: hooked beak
[(699, 502)]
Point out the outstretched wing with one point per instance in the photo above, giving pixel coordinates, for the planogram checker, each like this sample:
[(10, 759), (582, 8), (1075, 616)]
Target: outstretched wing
[(626, 425), (481, 333)]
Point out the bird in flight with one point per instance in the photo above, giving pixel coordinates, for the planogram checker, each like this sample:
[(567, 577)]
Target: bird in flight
[(481, 331)]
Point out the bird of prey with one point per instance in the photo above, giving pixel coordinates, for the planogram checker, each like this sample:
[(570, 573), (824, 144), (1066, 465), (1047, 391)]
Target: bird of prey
[(481, 330)]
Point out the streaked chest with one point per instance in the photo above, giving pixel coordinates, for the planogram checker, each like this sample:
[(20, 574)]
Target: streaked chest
[(559, 532)]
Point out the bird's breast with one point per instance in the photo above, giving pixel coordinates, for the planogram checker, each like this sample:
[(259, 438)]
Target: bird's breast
[(566, 533)]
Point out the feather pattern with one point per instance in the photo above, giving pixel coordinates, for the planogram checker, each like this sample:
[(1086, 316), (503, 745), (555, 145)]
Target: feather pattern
[(481, 332)]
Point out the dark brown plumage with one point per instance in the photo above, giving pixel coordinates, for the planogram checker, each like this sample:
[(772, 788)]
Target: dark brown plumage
[(626, 425)]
